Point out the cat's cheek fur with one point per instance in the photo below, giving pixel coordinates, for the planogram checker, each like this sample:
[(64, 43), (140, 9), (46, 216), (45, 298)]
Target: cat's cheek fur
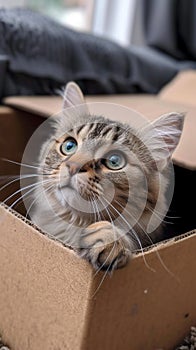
[(105, 246)]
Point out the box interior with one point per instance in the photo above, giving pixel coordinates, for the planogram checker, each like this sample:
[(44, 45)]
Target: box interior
[(16, 129)]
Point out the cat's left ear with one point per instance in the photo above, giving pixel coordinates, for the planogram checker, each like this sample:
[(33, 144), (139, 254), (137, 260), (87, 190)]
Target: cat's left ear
[(164, 135), (73, 97)]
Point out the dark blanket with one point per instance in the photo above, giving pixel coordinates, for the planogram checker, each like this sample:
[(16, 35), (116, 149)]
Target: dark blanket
[(39, 56)]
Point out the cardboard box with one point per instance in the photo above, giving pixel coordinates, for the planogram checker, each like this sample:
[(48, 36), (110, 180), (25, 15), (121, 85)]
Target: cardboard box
[(51, 299), (181, 89)]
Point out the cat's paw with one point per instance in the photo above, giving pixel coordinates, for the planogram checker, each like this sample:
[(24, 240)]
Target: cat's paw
[(105, 246)]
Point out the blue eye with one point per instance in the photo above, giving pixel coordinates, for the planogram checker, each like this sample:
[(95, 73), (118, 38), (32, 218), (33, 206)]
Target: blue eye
[(115, 161), (69, 146)]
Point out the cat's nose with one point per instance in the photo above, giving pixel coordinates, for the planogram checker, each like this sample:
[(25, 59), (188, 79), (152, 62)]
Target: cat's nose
[(74, 167)]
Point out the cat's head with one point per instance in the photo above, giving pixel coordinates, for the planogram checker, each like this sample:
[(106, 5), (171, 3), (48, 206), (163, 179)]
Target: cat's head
[(102, 168)]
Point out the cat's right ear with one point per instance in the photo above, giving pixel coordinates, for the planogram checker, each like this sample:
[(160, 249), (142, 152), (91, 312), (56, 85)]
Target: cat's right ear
[(73, 97), (163, 135)]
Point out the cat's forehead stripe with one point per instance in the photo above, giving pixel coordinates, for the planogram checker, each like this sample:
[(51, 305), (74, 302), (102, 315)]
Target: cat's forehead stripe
[(102, 130), (96, 131), (80, 129), (99, 128), (85, 128)]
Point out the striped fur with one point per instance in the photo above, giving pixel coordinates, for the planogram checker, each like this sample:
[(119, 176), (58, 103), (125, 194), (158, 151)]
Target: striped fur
[(104, 213)]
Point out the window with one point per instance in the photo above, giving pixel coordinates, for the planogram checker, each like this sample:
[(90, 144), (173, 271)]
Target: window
[(119, 20), (76, 14)]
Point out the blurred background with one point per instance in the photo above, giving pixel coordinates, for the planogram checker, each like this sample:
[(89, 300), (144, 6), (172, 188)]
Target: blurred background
[(117, 20), (106, 46)]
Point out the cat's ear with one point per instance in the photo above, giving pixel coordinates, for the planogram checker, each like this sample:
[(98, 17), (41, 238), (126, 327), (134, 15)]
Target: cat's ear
[(164, 135), (73, 97), (169, 128)]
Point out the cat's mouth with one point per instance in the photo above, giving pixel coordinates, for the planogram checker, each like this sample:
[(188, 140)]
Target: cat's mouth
[(64, 190), (62, 187), (78, 197), (84, 193)]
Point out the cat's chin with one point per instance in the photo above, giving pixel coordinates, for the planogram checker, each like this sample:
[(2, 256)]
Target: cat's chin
[(69, 197), (65, 194), (75, 205)]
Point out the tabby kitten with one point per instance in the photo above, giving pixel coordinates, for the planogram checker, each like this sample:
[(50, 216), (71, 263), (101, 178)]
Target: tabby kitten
[(104, 183)]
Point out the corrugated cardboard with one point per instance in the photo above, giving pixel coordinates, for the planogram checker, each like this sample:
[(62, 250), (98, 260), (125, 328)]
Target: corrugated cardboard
[(50, 299)]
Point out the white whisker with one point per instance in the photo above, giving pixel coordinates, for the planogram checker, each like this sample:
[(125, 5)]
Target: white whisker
[(94, 210), (112, 247), (166, 216), (133, 232), (17, 163), (23, 196), (96, 207), (152, 243), (33, 202), (106, 272), (159, 217), (103, 278), (17, 179), (24, 188)]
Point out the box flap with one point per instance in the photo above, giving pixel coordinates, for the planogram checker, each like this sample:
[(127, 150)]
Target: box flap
[(182, 89), (145, 309), (51, 299), (44, 289), (149, 106)]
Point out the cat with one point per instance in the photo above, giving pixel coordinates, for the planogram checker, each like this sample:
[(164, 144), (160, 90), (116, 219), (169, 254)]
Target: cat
[(102, 180)]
